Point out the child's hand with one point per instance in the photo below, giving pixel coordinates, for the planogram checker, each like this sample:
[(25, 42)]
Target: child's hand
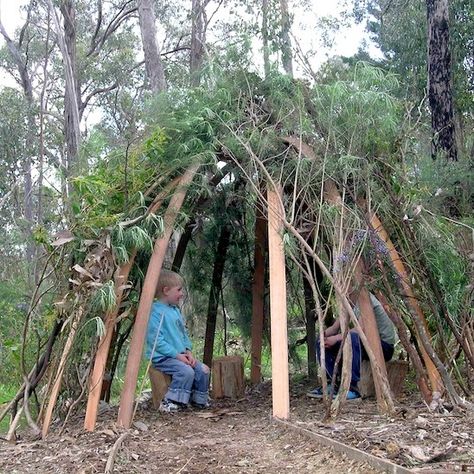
[(192, 360), (331, 340), (183, 358)]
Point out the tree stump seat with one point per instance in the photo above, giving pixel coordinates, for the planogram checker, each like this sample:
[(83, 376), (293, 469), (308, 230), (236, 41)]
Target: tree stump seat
[(228, 377), (159, 385), (397, 371)]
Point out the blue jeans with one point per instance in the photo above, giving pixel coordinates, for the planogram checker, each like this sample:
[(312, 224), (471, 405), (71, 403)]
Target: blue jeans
[(186, 382), (358, 354)]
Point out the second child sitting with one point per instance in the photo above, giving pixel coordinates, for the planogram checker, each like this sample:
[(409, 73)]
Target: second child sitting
[(169, 348)]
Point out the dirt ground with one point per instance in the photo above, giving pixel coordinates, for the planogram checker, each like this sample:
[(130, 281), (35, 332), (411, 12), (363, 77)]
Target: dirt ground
[(414, 437), (237, 437), (240, 437)]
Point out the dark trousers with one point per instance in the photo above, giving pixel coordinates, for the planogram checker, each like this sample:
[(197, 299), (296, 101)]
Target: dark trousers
[(358, 354)]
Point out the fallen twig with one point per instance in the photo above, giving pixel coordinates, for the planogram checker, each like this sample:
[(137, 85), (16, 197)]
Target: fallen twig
[(109, 467), (187, 462)]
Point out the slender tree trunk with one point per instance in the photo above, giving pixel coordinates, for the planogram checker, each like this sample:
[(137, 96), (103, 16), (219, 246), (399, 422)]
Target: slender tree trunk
[(182, 246), (153, 64), (266, 51), (27, 87), (439, 81), (72, 99), (198, 39), (310, 312), (286, 54), (219, 262), (258, 294)]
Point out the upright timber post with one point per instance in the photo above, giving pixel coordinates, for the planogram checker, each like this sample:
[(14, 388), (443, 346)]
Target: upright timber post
[(146, 300), (279, 336), (258, 294)]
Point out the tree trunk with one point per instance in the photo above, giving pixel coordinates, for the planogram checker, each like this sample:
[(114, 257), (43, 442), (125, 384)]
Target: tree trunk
[(258, 295), (153, 64), (310, 312), (266, 51), (72, 117), (286, 54), (219, 262), (198, 39), (27, 87), (439, 81), (182, 246)]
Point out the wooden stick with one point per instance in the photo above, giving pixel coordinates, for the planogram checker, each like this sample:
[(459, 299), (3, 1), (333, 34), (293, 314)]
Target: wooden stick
[(104, 347), (279, 331), (101, 357), (109, 467), (369, 325), (433, 374), (368, 322), (11, 431), (76, 318), (146, 300)]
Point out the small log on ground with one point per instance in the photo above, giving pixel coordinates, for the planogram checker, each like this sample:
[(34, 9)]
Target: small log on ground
[(228, 377), (159, 385), (397, 371)]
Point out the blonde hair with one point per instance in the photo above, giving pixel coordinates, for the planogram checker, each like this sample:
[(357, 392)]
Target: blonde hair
[(167, 279)]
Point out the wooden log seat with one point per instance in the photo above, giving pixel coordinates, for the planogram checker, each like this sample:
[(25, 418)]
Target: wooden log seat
[(228, 377), (159, 385), (397, 371)]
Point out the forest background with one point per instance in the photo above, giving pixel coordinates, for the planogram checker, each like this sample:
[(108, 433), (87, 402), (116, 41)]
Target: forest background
[(96, 111)]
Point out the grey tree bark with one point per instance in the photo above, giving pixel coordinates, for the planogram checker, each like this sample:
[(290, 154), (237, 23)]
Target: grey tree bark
[(286, 54), (266, 51), (67, 44), (26, 84), (153, 64), (439, 81), (198, 39)]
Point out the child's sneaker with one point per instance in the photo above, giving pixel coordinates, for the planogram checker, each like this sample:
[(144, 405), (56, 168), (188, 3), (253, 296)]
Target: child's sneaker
[(353, 395), (318, 392), (200, 406), (168, 406)]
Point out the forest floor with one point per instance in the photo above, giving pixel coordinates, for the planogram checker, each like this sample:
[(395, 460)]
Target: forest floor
[(240, 437)]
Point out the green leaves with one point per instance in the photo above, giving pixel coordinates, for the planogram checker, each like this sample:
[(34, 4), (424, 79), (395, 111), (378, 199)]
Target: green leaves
[(104, 298)]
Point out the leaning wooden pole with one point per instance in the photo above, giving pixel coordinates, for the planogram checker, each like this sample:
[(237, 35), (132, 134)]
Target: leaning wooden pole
[(433, 374), (95, 384), (369, 326), (258, 295), (53, 397), (278, 317), (368, 323), (146, 300), (121, 277)]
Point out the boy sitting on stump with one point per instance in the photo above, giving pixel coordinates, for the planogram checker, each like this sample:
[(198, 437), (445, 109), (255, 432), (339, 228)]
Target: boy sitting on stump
[(169, 348)]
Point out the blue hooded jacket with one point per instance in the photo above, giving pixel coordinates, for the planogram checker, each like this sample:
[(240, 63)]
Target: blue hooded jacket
[(172, 338)]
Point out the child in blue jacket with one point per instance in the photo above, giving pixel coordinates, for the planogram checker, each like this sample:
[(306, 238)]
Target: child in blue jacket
[(169, 348)]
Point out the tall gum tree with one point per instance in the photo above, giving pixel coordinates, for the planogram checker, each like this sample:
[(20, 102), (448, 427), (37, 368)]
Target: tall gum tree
[(21, 63), (153, 64), (439, 81)]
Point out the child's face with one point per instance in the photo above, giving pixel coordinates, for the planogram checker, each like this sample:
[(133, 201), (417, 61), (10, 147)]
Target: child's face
[(173, 295)]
